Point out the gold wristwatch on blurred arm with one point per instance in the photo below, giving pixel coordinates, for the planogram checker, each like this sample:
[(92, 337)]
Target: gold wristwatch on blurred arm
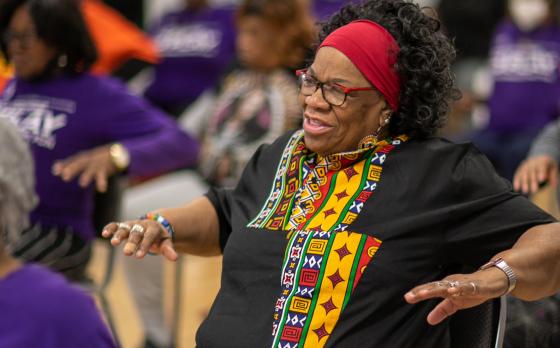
[(119, 156)]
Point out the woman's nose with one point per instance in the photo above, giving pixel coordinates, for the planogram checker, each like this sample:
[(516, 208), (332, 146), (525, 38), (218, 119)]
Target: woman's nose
[(317, 100)]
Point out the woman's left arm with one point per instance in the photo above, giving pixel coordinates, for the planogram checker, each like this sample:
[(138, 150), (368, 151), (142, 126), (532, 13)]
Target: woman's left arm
[(534, 260), (151, 142)]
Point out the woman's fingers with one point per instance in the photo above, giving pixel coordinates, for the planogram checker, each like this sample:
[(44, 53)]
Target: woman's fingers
[(69, 168), (457, 291), (89, 171), (142, 236), (168, 251), (442, 288), (91, 165), (101, 180), (152, 237), (134, 238), (122, 232), (444, 309), (533, 172)]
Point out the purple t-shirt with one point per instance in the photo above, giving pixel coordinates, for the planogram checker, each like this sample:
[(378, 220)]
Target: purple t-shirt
[(525, 68), (66, 115), (197, 48), (41, 309)]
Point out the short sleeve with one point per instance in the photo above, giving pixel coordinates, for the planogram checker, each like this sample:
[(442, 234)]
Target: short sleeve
[(485, 216), (223, 199), (235, 207)]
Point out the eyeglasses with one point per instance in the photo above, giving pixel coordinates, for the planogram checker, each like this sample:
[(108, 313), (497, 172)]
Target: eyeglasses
[(334, 93), (24, 38)]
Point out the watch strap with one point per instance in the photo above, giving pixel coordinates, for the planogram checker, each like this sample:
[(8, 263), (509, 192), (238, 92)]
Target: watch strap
[(504, 267)]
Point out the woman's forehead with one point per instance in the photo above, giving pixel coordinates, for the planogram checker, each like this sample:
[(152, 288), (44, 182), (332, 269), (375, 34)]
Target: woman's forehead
[(331, 64)]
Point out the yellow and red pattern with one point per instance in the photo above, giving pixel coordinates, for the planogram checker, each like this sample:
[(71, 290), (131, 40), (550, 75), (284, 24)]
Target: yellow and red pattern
[(316, 200)]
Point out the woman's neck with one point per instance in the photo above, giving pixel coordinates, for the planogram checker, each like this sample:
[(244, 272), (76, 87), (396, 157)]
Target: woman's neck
[(8, 264)]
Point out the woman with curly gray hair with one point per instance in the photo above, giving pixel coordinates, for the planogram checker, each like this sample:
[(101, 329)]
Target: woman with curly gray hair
[(332, 227), (39, 308)]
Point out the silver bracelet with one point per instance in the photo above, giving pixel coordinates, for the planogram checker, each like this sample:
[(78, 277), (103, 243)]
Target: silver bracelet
[(504, 267)]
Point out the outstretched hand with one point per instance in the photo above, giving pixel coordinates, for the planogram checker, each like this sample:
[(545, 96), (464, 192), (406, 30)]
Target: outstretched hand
[(91, 165), (142, 236), (459, 291)]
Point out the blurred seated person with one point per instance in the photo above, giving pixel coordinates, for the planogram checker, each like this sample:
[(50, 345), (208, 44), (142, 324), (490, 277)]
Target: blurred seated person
[(82, 128), (197, 45), (254, 103), (331, 228), (537, 324), (471, 25), (39, 308), (541, 165), (525, 57)]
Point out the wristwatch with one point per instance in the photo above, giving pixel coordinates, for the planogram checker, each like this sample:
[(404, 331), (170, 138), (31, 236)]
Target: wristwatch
[(504, 267), (119, 156)]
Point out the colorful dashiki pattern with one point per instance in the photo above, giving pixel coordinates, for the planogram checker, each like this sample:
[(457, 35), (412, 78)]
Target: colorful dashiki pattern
[(316, 199)]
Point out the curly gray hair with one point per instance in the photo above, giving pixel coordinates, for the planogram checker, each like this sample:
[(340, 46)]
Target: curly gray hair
[(17, 184)]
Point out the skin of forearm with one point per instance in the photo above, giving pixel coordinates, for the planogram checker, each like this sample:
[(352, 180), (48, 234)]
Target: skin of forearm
[(535, 258), (196, 227)]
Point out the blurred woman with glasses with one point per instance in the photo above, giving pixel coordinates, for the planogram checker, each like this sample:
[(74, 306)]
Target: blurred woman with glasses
[(82, 128)]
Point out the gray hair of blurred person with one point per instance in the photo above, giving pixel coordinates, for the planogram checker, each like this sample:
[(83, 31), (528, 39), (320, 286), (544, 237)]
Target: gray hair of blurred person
[(17, 184)]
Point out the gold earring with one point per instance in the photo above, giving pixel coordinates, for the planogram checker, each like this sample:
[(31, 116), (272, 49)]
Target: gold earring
[(367, 141)]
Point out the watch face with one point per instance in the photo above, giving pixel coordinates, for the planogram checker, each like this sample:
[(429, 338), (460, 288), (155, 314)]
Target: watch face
[(119, 156)]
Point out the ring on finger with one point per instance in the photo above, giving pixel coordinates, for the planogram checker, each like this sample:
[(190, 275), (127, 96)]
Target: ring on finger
[(137, 229), (473, 284), (453, 283), (123, 226)]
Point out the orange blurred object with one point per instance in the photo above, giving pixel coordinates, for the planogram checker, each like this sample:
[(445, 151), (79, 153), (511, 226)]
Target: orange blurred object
[(6, 72), (117, 40)]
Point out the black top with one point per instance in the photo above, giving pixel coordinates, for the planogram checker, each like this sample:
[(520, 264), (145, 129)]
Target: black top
[(434, 208)]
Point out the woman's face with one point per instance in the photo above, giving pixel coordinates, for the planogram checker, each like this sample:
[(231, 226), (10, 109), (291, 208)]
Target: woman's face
[(334, 129), (257, 44), (529, 14), (28, 53)]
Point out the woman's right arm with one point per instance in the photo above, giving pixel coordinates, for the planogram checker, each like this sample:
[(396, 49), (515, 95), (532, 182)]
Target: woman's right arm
[(195, 225)]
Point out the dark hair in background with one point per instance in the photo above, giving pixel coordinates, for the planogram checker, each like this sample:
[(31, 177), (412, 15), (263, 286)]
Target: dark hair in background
[(291, 18), (423, 63), (60, 24)]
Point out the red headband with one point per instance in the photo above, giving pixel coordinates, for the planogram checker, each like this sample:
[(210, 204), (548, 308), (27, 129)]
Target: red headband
[(374, 57)]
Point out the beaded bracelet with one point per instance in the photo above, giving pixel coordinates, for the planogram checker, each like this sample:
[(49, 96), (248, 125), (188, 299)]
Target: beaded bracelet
[(162, 221)]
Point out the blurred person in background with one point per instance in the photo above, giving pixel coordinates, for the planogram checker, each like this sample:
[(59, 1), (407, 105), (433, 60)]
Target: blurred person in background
[(39, 308), (470, 24), (253, 105), (537, 324), (197, 45), (525, 60), (82, 128)]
